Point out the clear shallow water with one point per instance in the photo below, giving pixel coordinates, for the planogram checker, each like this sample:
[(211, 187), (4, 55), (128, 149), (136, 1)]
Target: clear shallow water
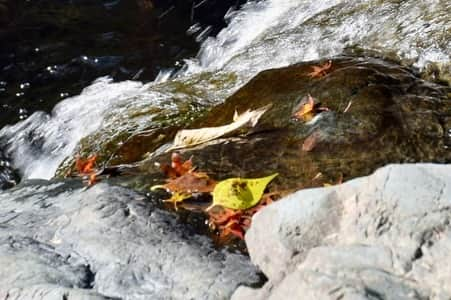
[(263, 35)]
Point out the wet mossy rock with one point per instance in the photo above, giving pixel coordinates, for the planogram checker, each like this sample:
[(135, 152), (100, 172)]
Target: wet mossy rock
[(151, 118), (393, 116)]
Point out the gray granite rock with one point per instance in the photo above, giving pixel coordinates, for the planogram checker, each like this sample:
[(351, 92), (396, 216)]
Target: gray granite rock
[(62, 241), (385, 236)]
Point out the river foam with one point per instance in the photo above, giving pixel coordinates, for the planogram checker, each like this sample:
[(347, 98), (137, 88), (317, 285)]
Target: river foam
[(40, 143)]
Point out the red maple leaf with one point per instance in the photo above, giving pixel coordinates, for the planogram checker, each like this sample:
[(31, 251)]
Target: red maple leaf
[(320, 71), (178, 167), (85, 166)]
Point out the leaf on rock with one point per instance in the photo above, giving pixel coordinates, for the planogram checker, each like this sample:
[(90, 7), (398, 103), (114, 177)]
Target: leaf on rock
[(183, 181), (311, 142), (85, 166), (228, 222), (192, 182), (92, 179), (320, 71), (240, 193), (178, 167), (177, 198), (183, 187), (192, 137), (306, 107)]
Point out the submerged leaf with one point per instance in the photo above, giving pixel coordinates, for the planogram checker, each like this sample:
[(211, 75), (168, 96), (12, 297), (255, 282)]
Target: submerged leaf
[(183, 187), (308, 108), (311, 141), (193, 182), (319, 71), (305, 108), (183, 181), (240, 193), (192, 137), (228, 222)]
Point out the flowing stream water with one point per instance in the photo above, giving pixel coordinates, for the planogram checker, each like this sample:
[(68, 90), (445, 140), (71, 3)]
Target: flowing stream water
[(261, 35)]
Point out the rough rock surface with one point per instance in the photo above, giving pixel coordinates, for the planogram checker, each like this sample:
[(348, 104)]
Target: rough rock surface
[(61, 241), (385, 236)]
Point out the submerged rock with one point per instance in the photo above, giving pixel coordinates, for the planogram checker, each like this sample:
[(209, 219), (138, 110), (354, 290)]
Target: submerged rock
[(60, 241), (378, 113), (386, 236)]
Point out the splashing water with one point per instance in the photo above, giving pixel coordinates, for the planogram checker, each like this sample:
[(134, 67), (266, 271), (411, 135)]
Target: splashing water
[(262, 35), (277, 33), (39, 144)]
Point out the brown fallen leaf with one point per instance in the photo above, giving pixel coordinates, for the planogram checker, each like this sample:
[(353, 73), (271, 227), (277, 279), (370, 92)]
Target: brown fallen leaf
[(183, 181), (191, 182), (320, 71)]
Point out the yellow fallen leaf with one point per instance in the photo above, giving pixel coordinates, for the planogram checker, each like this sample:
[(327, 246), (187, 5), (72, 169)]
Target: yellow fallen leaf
[(192, 137), (178, 197), (240, 193), (305, 109)]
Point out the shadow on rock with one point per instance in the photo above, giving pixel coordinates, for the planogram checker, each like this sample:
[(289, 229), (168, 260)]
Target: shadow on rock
[(105, 242)]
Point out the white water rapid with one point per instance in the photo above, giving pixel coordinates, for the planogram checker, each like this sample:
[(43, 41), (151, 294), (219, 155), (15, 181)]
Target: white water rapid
[(262, 35)]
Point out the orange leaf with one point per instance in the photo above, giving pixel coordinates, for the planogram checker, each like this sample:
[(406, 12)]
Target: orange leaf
[(305, 108), (320, 71), (236, 222), (85, 166), (92, 179)]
